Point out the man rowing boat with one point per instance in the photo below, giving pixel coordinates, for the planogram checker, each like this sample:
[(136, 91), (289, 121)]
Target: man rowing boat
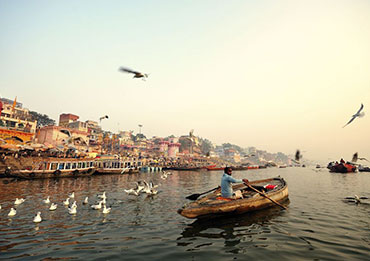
[(226, 184)]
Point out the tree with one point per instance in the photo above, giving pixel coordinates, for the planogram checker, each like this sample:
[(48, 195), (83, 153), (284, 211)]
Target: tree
[(205, 146), (42, 119)]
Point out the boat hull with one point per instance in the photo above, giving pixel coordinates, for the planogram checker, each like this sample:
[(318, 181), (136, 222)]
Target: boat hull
[(211, 206), (41, 168)]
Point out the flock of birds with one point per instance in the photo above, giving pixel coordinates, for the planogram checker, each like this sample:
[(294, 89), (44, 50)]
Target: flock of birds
[(72, 209), (141, 187), (146, 187)]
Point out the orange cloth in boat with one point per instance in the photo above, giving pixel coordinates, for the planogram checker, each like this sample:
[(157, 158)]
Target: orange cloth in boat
[(226, 199)]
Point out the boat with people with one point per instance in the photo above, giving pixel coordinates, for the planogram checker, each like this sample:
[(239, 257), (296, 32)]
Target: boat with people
[(40, 167), (341, 167), (274, 191)]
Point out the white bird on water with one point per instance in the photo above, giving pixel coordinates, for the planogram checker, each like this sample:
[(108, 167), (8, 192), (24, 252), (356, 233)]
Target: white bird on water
[(12, 212), (66, 202), (72, 210), (86, 201), (99, 206), (357, 114), (18, 201), (53, 206), (106, 210), (37, 218), (47, 201), (103, 196), (72, 195), (131, 192), (74, 205)]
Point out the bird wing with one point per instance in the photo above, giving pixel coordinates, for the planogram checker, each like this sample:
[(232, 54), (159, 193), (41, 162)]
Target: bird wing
[(349, 121), (128, 70), (355, 157), (362, 159), (362, 106)]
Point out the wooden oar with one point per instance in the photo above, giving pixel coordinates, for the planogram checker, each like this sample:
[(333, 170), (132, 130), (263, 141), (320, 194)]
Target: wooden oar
[(264, 194), (197, 195)]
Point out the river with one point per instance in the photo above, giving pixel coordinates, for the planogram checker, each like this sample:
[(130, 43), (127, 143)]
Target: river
[(318, 225)]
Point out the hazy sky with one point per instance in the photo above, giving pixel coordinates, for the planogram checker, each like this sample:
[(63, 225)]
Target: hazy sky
[(277, 75)]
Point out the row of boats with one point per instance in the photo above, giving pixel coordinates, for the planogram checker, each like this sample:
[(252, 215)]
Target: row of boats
[(70, 167)]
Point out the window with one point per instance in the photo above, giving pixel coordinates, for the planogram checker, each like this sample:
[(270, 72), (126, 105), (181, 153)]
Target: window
[(68, 165), (61, 166), (74, 165), (54, 166)]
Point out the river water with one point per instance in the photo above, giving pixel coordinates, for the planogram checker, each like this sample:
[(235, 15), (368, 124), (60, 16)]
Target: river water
[(318, 225)]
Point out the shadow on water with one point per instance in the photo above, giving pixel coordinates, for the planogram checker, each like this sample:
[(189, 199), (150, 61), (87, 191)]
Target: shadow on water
[(230, 227)]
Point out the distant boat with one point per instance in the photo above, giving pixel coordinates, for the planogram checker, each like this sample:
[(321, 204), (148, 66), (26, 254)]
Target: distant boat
[(214, 168), (182, 168), (342, 168), (363, 169)]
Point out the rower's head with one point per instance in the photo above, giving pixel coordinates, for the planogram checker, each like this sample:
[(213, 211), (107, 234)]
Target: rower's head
[(228, 170)]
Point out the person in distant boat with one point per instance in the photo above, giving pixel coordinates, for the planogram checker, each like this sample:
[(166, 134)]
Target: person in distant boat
[(342, 161), (226, 184)]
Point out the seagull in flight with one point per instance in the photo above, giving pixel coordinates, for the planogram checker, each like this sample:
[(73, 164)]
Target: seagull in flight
[(357, 114), (143, 76)]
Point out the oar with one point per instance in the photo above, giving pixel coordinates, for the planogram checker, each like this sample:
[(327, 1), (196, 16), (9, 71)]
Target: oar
[(263, 194), (197, 195)]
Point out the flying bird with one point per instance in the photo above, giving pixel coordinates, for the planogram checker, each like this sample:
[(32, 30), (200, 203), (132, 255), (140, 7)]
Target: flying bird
[(355, 158), (143, 76), (298, 155), (357, 114)]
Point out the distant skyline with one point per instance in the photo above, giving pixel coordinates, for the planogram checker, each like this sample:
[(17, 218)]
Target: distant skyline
[(276, 75)]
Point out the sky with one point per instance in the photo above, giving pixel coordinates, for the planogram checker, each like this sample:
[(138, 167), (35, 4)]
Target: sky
[(276, 75)]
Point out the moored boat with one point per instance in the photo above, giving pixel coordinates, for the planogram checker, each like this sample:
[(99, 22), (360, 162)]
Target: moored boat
[(55, 168), (213, 205), (111, 164), (214, 167)]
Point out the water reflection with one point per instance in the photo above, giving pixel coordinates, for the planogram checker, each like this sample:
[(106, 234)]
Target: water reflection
[(232, 229)]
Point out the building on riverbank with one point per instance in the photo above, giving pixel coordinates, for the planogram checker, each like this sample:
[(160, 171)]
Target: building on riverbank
[(16, 123)]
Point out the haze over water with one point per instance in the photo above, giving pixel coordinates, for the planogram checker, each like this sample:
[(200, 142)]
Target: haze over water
[(318, 225)]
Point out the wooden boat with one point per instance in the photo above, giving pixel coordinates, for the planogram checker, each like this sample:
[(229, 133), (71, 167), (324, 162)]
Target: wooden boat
[(214, 167), (213, 205), (182, 168), (55, 168)]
